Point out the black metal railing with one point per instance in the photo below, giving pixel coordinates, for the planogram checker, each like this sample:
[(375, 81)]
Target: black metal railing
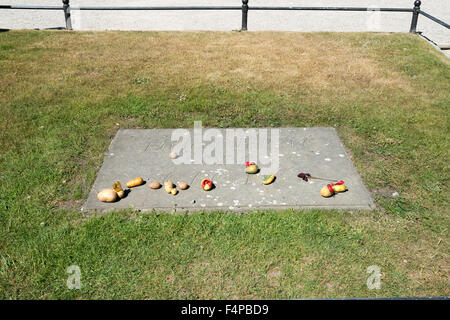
[(244, 8)]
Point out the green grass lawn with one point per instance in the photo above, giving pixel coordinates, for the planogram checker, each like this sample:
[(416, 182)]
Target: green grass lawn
[(63, 96)]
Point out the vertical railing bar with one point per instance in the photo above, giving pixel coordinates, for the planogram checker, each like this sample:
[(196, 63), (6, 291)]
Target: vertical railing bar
[(244, 15), (67, 17), (415, 16)]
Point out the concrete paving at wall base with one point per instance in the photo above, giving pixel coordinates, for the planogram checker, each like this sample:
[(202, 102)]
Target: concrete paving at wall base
[(144, 153)]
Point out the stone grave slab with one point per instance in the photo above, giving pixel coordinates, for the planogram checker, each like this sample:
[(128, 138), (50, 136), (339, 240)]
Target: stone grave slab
[(145, 153)]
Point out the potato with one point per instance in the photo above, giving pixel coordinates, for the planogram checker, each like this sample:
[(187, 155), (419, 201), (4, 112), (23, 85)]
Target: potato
[(251, 169), (168, 186), (121, 194), (107, 195), (339, 188), (168, 183), (206, 184), (155, 185), (325, 192), (173, 155), (174, 191), (183, 185), (135, 182), (269, 179), (117, 187)]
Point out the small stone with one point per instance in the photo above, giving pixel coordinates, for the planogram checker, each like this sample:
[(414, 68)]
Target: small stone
[(395, 195), (192, 201)]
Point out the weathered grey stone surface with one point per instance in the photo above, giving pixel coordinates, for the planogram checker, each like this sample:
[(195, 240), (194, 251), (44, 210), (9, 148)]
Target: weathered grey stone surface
[(144, 153)]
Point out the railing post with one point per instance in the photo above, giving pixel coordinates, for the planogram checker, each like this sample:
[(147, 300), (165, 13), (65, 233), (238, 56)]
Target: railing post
[(415, 16), (244, 14), (66, 8)]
